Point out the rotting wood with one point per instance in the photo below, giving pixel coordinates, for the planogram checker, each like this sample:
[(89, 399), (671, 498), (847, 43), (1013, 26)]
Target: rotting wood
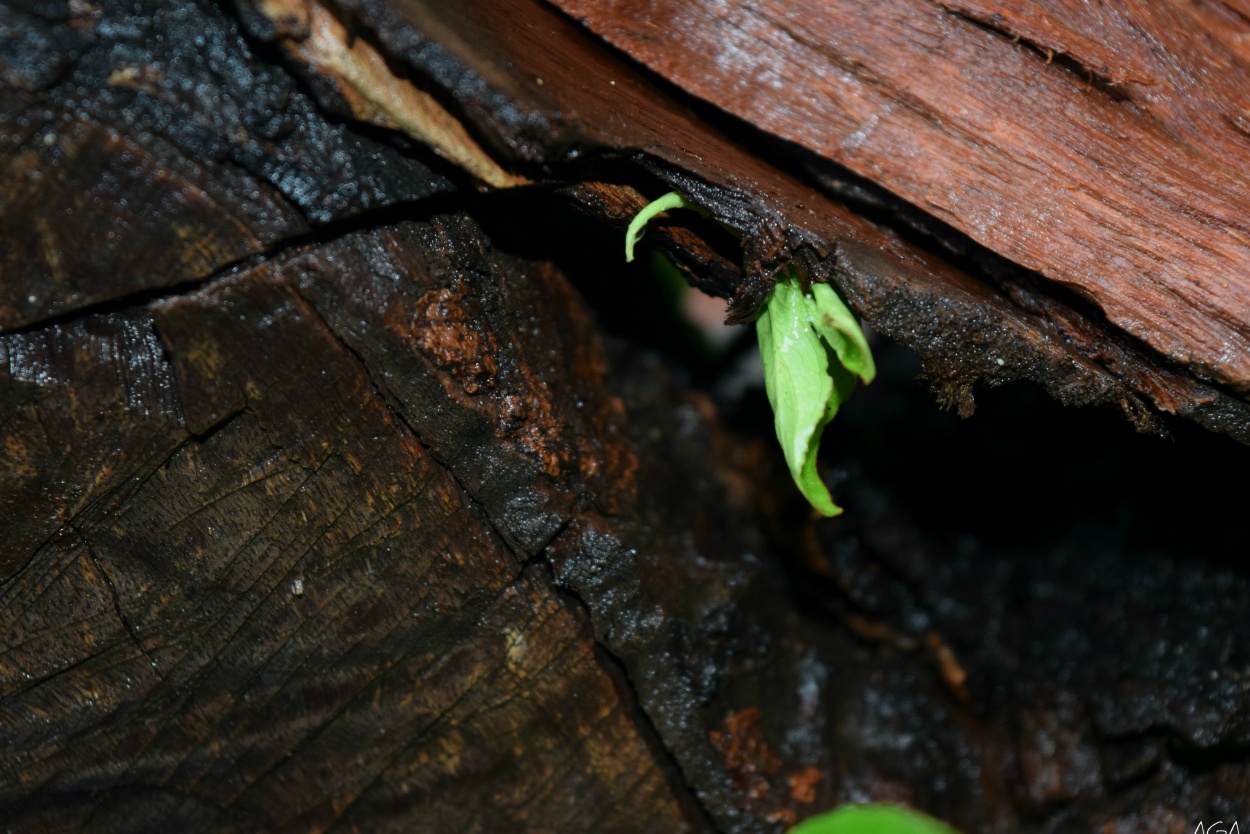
[(383, 475), (544, 94), (319, 40), (282, 610)]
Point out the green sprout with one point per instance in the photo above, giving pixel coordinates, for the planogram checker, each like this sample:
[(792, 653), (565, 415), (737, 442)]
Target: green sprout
[(872, 819), (671, 200), (813, 351)]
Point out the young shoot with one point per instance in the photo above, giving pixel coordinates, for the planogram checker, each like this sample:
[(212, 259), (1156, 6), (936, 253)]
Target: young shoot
[(671, 200), (813, 351)]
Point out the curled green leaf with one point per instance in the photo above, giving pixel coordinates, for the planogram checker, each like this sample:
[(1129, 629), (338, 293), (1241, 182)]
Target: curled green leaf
[(873, 819), (836, 324), (671, 200), (813, 350)]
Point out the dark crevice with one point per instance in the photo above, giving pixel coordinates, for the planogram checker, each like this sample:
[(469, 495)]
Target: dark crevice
[(252, 27), (692, 807), (1094, 78), (631, 301), (206, 433), (540, 553), (1026, 290), (326, 233), (127, 626), (1029, 291), (1205, 759)]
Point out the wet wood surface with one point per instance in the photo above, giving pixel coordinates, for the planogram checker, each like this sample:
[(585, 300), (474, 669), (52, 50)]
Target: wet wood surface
[(328, 503), (279, 609)]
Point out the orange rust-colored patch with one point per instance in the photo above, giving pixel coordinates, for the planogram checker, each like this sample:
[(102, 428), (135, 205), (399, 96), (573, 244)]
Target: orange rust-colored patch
[(542, 430), (609, 464), (445, 332), (448, 330), (952, 673), (803, 784), (879, 632), (589, 459), (747, 753)]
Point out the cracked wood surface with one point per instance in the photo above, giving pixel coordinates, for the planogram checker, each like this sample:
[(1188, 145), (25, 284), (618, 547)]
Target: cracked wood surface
[(278, 609), (487, 63), (324, 511)]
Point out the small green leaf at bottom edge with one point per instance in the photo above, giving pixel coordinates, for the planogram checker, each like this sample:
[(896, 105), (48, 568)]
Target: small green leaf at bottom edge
[(873, 819)]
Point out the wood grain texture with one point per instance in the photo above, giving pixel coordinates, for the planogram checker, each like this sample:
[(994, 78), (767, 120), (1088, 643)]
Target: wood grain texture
[(287, 614), (79, 196), (549, 99), (1118, 171), (159, 151)]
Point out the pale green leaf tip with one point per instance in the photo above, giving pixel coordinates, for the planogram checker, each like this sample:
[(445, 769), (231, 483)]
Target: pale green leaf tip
[(809, 482), (671, 200), (820, 499), (873, 819)]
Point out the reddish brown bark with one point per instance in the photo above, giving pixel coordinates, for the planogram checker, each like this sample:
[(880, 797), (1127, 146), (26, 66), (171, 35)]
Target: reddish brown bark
[(1118, 170)]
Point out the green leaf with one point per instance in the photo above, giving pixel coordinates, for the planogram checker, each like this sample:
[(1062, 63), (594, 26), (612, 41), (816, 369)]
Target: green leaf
[(873, 819), (836, 324), (813, 350), (800, 388), (671, 200)]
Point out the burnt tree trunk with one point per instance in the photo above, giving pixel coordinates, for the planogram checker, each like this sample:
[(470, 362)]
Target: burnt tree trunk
[(349, 480)]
